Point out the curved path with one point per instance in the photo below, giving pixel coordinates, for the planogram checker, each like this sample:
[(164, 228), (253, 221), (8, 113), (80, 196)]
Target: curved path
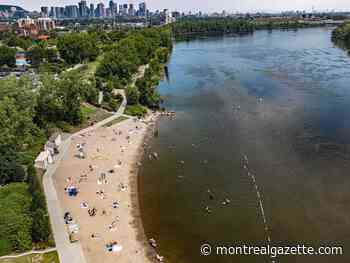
[(29, 253)]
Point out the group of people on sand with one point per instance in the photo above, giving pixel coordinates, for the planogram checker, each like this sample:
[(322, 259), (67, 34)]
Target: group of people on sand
[(102, 178)]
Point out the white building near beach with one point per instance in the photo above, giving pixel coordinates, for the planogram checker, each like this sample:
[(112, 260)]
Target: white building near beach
[(43, 160), (53, 143)]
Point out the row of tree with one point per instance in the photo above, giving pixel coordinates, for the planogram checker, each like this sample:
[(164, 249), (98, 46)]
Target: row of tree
[(77, 47), (24, 218), (341, 36), (193, 26), (13, 40), (27, 114), (230, 25), (149, 47), (7, 56)]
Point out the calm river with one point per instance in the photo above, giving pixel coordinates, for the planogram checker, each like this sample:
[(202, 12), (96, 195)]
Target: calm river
[(259, 149)]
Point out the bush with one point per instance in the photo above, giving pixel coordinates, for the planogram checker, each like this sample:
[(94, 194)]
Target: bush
[(10, 169), (113, 104), (132, 95), (118, 97), (41, 226), (15, 218), (7, 56), (136, 110)]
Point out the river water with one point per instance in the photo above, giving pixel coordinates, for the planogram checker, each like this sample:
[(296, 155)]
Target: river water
[(263, 125)]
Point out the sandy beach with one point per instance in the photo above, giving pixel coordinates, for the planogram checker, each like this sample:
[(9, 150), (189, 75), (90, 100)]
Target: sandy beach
[(106, 205)]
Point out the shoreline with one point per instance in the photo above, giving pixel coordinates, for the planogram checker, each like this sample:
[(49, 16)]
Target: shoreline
[(129, 231), (134, 182)]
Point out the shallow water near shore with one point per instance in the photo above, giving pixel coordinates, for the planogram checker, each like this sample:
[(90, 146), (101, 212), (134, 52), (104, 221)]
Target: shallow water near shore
[(282, 98)]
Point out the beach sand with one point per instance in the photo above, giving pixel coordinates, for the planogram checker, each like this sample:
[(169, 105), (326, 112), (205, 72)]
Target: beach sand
[(116, 148)]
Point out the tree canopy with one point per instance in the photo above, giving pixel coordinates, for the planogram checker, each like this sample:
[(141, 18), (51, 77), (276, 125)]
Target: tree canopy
[(211, 26), (77, 47), (341, 35), (15, 218), (7, 56)]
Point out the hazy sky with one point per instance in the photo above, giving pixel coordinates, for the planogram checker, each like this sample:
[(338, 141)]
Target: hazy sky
[(206, 5)]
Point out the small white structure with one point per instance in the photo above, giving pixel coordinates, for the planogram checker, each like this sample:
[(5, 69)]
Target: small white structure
[(53, 143), (43, 160), (56, 138)]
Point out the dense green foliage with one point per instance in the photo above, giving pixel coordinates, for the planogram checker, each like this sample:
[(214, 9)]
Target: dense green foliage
[(212, 26), (19, 140), (77, 47), (229, 25), (12, 40), (124, 57), (136, 110), (41, 232), (122, 61), (133, 95), (15, 218), (17, 110), (10, 170), (23, 217), (30, 110), (341, 36), (40, 53), (59, 100), (7, 56)]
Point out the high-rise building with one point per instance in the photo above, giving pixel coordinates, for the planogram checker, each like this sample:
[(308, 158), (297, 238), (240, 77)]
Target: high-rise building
[(72, 11), (92, 10), (53, 12), (125, 9), (100, 10), (83, 9), (113, 8), (62, 14), (58, 12), (142, 9), (44, 11), (166, 17), (131, 11)]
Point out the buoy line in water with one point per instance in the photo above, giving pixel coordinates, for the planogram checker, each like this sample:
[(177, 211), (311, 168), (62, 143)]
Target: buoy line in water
[(260, 201)]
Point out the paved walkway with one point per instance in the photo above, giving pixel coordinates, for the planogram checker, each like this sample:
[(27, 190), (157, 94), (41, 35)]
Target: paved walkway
[(29, 253), (68, 252)]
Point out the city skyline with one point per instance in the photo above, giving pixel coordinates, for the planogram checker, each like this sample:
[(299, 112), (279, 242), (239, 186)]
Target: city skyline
[(206, 6), (90, 10)]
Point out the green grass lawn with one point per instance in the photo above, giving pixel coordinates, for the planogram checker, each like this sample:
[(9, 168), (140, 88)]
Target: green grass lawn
[(136, 110), (5, 247), (91, 115), (115, 121), (50, 257), (88, 70), (88, 110)]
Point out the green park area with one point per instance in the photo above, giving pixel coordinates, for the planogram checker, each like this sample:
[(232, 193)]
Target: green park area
[(70, 72), (50, 257)]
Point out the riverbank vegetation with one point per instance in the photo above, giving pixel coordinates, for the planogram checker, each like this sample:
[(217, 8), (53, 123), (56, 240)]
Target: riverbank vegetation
[(198, 26), (76, 76), (341, 36), (228, 25)]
